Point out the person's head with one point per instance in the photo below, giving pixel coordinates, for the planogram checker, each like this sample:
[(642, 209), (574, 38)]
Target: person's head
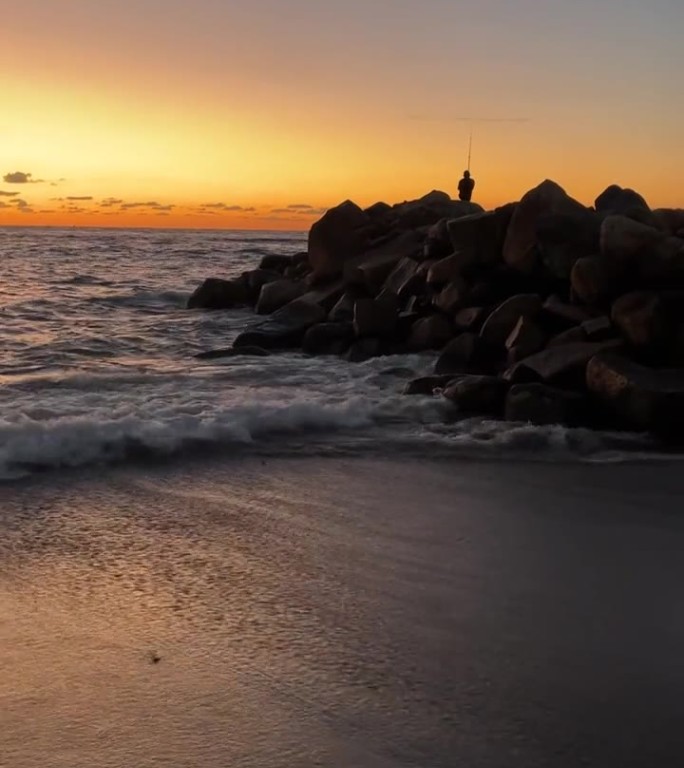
[(466, 174)]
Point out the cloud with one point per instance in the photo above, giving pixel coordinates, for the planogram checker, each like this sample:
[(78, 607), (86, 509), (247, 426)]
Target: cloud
[(299, 206), (77, 197), (8, 194), (152, 204), (4, 204), (19, 203), (282, 210), (20, 177), (108, 202), (223, 207)]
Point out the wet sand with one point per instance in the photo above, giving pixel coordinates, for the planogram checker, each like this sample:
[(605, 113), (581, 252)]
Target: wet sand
[(343, 613)]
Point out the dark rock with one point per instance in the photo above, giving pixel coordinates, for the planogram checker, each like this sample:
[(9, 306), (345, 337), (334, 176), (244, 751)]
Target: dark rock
[(341, 234), (215, 293), (445, 270), (328, 338), (277, 294), (639, 398), (520, 249), (214, 354), (640, 318), (452, 296), (372, 267), (426, 385), (431, 332), (325, 296), (481, 236), (524, 340), (566, 362), (343, 311), (469, 319), (541, 405), (483, 395), (564, 313), (598, 329), (430, 209), (376, 317), (275, 263), (626, 202), (466, 353), (364, 349), (503, 319), (257, 279), (670, 220), (591, 282), (563, 238), (403, 280), (283, 328), (437, 244), (571, 336)]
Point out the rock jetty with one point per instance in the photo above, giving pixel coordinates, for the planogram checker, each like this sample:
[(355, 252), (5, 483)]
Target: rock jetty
[(542, 311)]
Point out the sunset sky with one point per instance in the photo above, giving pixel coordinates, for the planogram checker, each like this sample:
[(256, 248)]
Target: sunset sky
[(262, 113)]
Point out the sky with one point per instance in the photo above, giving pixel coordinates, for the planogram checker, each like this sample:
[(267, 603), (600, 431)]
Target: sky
[(263, 113)]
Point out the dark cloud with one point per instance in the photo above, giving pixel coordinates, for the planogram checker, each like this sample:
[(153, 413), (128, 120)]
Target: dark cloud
[(224, 207), (19, 203), (108, 202), (152, 204), (282, 210), (8, 194), (20, 177), (77, 197), (299, 206)]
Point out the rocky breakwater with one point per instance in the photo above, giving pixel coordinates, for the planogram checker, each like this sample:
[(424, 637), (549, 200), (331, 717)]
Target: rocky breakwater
[(542, 311)]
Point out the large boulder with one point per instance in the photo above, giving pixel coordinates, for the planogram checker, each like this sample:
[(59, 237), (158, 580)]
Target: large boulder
[(403, 280), (273, 262), (481, 235), (341, 234), (565, 363), (520, 249), (640, 317), (452, 296), (670, 220), (445, 270), (625, 202), (541, 405), (328, 339), (343, 310), (437, 243), (431, 332), (639, 398), (430, 209), (469, 319), (284, 328), (257, 279), (364, 349), (428, 385), (376, 317), (591, 281), (481, 395), (215, 293), (372, 267), (560, 314), (563, 238), (277, 294), (467, 353), (524, 340), (498, 326)]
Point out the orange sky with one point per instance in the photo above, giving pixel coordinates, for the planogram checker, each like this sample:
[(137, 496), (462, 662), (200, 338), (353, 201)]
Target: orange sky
[(261, 115)]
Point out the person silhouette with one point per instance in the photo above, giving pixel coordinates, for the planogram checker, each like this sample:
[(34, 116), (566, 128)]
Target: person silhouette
[(465, 187)]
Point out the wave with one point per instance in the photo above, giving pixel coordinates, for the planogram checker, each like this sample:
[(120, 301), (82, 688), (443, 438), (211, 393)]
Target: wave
[(419, 426)]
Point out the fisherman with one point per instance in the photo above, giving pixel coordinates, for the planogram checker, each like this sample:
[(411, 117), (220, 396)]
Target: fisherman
[(465, 187)]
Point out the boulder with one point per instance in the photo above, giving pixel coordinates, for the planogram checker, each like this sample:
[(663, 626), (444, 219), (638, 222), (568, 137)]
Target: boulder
[(498, 326), (591, 282), (540, 405), (284, 328), (670, 220), (559, 313), (469, 319), (273, 262), (341, 234), (215, 293), (524, 340), (639, 398), (428, 385), (364, 349), (445, 270), (376, 317), (343, 311), (451, 297), (640, 318), (563, 363), (625, 202), (430, 209), (598, 328), (328, 338), (482, 395), (437, 244), (371, 268), (466, 353), (325, 296), (257, 279), (481, 235), (563, 238), (571, 336), (277, 294), (403, 279), (431, 332), (520, 249)]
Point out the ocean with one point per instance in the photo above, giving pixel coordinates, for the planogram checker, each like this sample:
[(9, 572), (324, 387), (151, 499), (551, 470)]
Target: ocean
[(284, 562)]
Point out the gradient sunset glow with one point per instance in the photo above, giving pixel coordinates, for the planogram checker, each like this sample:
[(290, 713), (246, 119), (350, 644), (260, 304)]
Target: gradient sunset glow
[(263, 114)]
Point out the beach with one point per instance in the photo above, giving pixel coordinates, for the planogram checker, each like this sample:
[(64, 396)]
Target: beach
[(342, 612)]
